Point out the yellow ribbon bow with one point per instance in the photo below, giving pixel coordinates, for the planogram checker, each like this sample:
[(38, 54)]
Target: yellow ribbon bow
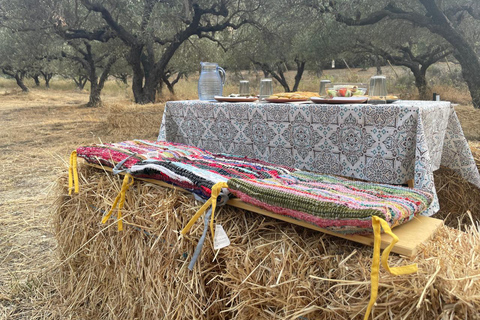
[(120, 200), (216, 189), (374, 276), (73, 173)]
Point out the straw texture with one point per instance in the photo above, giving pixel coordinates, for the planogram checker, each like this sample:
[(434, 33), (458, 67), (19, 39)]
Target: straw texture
[(272, 270)]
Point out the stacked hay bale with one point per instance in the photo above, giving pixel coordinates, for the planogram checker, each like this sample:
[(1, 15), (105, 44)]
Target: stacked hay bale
[(459, 199), (271, 270)]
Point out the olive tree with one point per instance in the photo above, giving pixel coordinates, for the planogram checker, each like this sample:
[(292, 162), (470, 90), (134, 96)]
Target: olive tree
[(404, 44), (457, 22), (295, 39), (154, 30)]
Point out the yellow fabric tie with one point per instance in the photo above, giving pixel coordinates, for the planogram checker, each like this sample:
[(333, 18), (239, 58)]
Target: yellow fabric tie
[(127, 183), (216, 189), (73, 173), (374, 276)]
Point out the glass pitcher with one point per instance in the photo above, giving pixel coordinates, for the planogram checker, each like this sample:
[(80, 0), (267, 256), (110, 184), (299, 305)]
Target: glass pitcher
[(211, 81)]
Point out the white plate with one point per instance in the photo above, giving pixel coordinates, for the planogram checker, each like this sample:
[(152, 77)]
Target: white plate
[(340, 100), (235, 99)]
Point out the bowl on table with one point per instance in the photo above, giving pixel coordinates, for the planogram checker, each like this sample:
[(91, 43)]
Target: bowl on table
[(345, 90)]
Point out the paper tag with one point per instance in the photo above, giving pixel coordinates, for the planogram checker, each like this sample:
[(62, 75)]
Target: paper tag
[(220, 239)]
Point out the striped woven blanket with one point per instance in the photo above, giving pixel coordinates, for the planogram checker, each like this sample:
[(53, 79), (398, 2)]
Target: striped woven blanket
[(330, 202), (326, 201), (109, 154), (188, 167)]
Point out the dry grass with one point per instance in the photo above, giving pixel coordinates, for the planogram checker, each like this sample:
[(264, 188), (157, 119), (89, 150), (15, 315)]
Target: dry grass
[(457, 198), (470, 120), (272, 270), (455, 95)]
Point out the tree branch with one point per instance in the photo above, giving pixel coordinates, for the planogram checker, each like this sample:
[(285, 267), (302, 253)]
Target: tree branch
[(8, 72), (106, 71), (127, 37), (211, 38), (391, 12), (102, 35)]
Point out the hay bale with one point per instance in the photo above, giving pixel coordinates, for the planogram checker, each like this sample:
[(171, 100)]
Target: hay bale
[(459, 199), (272, 270), (132, 274), (124, 119)]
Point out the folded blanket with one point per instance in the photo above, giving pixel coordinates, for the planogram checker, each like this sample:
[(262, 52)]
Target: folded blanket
[(330, 202), (109, 154), (191, 168)]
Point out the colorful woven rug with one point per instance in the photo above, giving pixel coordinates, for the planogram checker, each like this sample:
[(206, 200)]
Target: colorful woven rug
[(191, 168), (334, 203), (109, 154), (330, 202)]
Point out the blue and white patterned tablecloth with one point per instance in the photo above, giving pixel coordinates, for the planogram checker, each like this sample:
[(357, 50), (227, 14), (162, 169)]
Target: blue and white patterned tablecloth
[(383, 143)]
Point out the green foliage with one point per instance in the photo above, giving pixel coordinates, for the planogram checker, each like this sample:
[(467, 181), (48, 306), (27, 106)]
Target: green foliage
[(279, 33), (446, 75)]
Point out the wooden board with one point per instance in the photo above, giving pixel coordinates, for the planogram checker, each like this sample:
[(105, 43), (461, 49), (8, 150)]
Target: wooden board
[(411, 235)]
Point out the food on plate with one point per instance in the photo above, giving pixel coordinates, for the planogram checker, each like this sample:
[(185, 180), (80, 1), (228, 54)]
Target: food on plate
[(345, 91), (298, 95), (388, 98), (391, 98)]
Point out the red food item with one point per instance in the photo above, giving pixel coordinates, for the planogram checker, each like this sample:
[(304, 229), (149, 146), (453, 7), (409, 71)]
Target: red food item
[(342, 92)]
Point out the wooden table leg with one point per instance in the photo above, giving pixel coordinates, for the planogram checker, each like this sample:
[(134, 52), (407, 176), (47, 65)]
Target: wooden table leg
[(411, 183)]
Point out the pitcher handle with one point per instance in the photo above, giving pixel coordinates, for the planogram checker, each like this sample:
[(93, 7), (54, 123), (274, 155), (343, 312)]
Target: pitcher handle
[(223, 75)]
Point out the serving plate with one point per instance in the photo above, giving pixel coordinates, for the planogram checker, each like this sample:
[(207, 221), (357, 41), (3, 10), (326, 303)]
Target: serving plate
[(387, 99), (340, 100), (392, 100), (235, 99), (284, 100)]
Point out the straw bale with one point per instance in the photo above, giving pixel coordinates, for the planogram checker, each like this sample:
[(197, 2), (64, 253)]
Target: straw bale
[(124, 119), (271, 270), (458, 198)]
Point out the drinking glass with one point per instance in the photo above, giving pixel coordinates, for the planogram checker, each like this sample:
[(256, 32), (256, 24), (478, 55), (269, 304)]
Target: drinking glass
[(266, 88), (378, 86), (244, 88), (378, 90), (323, 84)]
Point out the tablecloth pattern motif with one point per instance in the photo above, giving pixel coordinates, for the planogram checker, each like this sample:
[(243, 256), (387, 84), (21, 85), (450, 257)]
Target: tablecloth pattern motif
[(383, 143)]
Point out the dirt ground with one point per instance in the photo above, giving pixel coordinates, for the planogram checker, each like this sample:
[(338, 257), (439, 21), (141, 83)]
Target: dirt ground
[(37, 133)]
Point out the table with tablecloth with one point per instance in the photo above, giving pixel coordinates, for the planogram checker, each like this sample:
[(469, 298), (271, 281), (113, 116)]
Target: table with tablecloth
[(390, 143)]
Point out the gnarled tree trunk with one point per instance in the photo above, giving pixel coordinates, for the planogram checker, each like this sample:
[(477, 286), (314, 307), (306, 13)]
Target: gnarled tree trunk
[(148, 70), (299, 74), (80, 81), (470, 63), (36, 79), (421, 83), (47, 76), (19, 79), (18, 75)]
